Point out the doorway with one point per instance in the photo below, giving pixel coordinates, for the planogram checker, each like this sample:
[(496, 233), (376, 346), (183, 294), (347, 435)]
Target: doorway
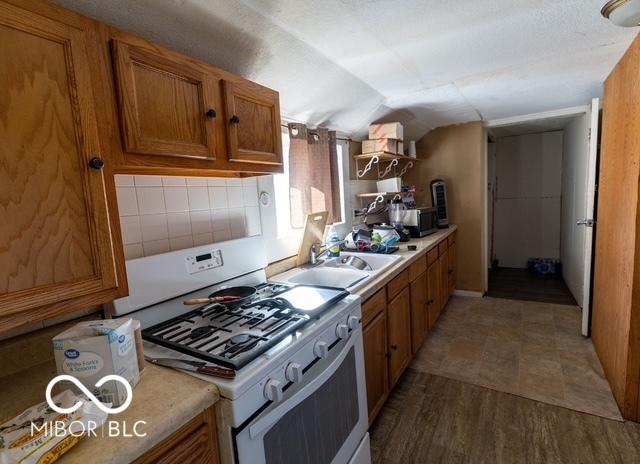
[(540, 189)]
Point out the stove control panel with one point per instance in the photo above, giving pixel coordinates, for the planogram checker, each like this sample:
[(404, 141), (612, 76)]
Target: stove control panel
[(204, 261)]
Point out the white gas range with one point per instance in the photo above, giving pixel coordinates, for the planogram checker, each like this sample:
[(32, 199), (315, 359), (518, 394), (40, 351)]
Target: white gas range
[(299, 392)]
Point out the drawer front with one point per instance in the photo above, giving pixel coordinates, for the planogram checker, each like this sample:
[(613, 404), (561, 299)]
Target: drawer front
[(417, 268), (452, 239), (374, 306), (432, 256), (442, 247), (397, 284)]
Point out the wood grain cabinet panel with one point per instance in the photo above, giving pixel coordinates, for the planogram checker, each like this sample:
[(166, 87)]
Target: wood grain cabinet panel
[(451, 264), (397, 284), (419, 314), (373, 306), (399, 335), (55, 240), (443, 262), (253, 123), (167, 105), (375, 363), (433, 293), (194, 443)]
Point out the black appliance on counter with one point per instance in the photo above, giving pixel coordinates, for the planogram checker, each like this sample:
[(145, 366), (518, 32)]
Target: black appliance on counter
[(421, 221), (440, 202)]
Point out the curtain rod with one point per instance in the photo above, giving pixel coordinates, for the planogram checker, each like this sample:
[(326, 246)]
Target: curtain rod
[(337, 138)]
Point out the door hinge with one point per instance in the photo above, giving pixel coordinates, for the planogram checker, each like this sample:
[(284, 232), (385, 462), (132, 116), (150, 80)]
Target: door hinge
[(586, 222)]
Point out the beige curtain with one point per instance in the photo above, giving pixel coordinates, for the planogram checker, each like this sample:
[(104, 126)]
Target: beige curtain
[(313, 174)]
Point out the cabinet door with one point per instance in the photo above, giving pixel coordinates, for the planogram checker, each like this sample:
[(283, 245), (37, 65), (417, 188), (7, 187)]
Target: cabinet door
[(451, 261), (399, 334), (444, 279), (253, 123), (375, 363), (55, 242), (167, 104), (433, 293), (194, 443), (419, 316)]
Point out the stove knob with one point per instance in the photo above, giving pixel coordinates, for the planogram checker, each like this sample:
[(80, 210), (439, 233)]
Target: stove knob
[(342, 331), (293, 373), (273, 390), (321, 349), (353, 322)]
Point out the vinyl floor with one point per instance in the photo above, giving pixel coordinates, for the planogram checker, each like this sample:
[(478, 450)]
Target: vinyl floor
[(534, 350), (433, 419), (520, 284)]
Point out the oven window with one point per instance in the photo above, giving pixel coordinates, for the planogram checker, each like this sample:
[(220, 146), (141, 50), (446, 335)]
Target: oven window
[(314, 431)]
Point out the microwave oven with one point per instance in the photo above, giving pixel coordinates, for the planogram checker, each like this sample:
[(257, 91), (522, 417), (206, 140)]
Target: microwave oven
[(421, 221)]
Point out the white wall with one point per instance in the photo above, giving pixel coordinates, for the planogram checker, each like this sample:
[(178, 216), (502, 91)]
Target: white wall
[(527, 211), (574, 183)]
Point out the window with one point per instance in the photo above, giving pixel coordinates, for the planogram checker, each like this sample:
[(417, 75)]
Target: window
[(283, 239)]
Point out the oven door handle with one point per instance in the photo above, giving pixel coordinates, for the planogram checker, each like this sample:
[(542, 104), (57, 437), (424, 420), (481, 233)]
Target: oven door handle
[(263, 423)]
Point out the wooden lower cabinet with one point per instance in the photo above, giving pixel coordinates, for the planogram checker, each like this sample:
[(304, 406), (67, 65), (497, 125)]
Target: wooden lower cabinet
[(451, 263), (399, 334), (397, 319), (443, 262), (375, 363), (433, 293), (195, 443), (419, 311)]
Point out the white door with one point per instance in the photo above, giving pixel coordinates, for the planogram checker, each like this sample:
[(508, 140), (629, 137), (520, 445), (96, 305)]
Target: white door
[(578, 190), (588, 221)]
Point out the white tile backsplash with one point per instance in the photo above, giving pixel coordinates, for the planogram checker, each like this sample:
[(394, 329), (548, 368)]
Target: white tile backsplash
[(200, 221), (235, 197), (161, 214), (179, 224), (154, 227), (151, 200), (198, 198), (218, 198), (176, 199), (130, 227), (127, 201)]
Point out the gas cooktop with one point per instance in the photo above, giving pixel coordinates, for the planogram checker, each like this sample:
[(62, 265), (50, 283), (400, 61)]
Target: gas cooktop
[(233, 337)]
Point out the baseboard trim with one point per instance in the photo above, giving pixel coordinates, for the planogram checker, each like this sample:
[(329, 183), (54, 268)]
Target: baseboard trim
[(468, 293)]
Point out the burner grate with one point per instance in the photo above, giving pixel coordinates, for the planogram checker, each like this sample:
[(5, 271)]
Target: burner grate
[(213, 332)]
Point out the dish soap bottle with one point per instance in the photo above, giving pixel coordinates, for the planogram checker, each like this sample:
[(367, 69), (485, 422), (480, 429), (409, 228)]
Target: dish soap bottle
[(333, 243)]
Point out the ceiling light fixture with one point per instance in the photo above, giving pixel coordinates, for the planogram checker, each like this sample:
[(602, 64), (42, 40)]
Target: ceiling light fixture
[(624, 13)]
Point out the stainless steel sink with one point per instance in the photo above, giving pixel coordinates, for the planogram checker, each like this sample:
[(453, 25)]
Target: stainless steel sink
[(336, 273)]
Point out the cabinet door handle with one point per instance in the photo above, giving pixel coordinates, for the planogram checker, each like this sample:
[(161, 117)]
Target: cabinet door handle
[(234, 119), (211, 114), (450, 271), (394, 347), (96, 163)]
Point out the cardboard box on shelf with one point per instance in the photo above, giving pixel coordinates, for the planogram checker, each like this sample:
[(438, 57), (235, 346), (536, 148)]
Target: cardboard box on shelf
[(374, 145), (387, 130)]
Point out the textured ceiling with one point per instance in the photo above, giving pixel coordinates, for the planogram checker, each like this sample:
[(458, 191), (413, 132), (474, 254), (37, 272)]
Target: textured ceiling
[(346, 63)]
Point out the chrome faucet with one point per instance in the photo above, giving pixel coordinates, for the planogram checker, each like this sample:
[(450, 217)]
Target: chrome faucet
[(314, 255)]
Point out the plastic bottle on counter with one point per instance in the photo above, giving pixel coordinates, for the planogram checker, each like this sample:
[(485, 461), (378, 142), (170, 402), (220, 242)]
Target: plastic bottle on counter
[(333, 243)]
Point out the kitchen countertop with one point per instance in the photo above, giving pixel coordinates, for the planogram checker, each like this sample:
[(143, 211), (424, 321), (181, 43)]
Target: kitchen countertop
[(166, 399), (424, 244)]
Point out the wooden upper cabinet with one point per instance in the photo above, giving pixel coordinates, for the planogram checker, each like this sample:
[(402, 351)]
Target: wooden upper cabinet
[(253, 125), (55, 243), (167, 104)]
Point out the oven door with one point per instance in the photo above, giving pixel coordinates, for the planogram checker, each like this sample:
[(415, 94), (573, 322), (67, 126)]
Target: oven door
[(322, 419)]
